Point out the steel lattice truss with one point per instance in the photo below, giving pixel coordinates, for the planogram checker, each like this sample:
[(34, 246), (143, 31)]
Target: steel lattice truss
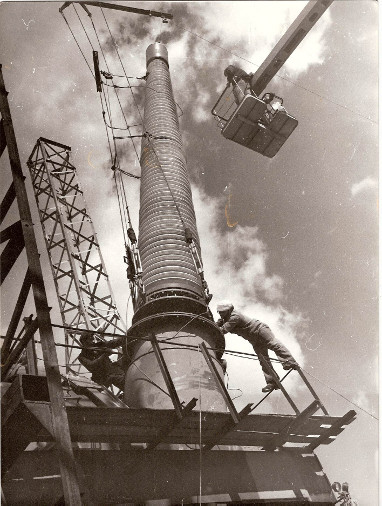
[(83, 289)]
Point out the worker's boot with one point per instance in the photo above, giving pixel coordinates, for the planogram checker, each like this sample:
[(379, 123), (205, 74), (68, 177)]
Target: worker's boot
[(290, 365), (269, 387)]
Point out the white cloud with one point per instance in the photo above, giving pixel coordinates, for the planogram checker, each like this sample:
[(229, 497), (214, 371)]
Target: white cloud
[(365, 185), (261, 26), (201, 111), (364, 401)]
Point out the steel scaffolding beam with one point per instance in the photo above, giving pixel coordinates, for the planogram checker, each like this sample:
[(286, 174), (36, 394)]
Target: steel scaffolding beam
[(84, 293), (26, 236)]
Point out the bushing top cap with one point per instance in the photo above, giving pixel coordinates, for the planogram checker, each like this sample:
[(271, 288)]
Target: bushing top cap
[(156, 50)]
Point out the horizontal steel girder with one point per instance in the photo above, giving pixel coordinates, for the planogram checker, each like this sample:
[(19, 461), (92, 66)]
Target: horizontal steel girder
[(174, 477)]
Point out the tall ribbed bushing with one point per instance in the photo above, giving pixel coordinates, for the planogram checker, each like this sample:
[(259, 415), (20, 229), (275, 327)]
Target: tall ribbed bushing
[(166, 207), (174, 307)]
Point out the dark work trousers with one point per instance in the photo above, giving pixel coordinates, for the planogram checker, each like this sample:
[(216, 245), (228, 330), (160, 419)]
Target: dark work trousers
[(264, 341)]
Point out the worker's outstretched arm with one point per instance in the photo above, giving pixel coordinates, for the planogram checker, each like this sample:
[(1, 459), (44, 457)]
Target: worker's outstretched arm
[(114, 343), (91, 364), (230, 324)]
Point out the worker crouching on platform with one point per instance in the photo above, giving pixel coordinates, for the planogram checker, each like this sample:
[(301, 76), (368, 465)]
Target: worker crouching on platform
[(261, 338), (96, 359)]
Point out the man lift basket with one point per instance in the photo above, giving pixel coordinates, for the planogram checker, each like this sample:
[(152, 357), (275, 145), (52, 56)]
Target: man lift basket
[(262, 125)]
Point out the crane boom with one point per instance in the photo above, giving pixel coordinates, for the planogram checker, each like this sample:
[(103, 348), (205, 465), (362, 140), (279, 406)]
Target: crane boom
[(288, 43), (107, 5)]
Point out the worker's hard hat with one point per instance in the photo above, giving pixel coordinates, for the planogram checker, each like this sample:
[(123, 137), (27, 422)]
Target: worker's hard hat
[(224, 306)]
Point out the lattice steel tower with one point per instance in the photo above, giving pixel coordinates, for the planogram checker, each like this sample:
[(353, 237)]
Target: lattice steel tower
[(84, 293)]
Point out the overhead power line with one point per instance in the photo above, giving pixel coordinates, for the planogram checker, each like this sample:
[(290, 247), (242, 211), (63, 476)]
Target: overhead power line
[(338, 393)]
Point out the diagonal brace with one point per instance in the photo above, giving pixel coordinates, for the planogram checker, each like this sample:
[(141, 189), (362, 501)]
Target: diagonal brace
[(16, 315), (227, 428), (292, 426), (14, 235), (7, 201), (176, 420), (167, 377), (311, 390), (234, 414), (31, 327), (272, 372)]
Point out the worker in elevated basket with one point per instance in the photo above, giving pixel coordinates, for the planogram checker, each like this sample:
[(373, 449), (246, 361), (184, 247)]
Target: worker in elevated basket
[(260, 336)]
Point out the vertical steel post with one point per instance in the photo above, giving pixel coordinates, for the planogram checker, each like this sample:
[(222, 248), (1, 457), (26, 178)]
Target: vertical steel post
[(59, 416)]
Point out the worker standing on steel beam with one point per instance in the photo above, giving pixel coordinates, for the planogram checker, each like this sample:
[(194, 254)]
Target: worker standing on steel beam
[(261, 338)]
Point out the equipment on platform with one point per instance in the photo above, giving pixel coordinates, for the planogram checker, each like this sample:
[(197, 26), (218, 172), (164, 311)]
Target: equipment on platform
[(344, 498), (262, 125)]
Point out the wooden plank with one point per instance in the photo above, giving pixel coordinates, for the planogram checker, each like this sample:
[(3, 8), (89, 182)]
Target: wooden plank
[(274, 423), (162, 417), (31, 367), (151, 423), (84, 430), (159, 419), (267, 423), (346, 419), (153, 437)]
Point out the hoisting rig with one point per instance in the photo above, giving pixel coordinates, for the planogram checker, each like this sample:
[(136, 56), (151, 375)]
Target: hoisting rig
[(262, 124), (174, 392)]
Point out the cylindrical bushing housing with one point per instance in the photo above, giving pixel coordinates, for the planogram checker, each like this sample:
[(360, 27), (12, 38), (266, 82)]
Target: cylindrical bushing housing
[(166, 207), (189, 371), (175, 307)]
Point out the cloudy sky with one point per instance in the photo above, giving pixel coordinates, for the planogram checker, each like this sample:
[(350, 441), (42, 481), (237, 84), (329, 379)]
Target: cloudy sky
[(303, 253)]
